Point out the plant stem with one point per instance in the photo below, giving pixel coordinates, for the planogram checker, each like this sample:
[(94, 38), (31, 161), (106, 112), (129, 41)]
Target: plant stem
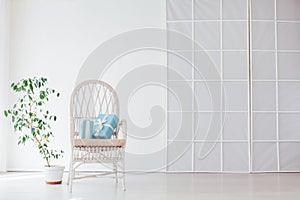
[(37, 140), (39, 143)]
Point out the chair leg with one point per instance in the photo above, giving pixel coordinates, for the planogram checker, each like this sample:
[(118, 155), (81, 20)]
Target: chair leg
[(71, 173), (116, 170), (123, 171), (71, 176)]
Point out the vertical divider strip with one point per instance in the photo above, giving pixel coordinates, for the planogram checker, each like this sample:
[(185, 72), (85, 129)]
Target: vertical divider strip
[(277, 89), (193, 85), (250, 111), (221, 85), (167, 97)]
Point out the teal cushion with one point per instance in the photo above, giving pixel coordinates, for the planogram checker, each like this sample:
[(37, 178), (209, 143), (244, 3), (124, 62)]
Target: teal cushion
[(86, 129)]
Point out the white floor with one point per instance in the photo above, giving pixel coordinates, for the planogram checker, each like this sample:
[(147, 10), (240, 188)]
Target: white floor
[(142, 186)]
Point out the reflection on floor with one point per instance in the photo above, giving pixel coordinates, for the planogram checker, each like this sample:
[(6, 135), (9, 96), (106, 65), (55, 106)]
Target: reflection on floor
[(156, 186)]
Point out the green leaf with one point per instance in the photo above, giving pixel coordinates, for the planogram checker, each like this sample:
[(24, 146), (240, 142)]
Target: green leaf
[(15, 88), (42, 94), (25, 82), (31, 87), (5, 113), (44, 79), (54, 118), (58, 94)]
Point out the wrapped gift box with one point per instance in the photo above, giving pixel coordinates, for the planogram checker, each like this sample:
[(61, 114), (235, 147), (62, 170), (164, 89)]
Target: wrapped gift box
[(104, 126)]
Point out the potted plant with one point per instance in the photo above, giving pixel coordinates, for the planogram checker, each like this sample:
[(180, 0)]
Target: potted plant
[(31, 120)]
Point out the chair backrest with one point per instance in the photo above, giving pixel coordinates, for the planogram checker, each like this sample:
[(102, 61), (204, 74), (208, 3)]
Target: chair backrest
[(89, 99)]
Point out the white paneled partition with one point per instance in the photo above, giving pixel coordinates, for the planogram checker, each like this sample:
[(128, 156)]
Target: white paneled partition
[(221, 118), (213, 119), (276, 85)]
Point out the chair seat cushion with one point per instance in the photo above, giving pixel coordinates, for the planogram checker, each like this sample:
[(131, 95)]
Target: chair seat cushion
[(99, 142)]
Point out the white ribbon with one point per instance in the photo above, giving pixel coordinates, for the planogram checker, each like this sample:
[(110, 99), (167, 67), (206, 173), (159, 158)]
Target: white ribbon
[(99, 125)]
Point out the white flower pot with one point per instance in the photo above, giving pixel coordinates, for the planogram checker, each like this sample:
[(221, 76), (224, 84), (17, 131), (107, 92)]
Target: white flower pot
[(54, 174)]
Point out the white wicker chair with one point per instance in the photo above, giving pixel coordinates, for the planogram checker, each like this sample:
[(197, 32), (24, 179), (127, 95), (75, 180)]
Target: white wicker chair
[(89, 99)]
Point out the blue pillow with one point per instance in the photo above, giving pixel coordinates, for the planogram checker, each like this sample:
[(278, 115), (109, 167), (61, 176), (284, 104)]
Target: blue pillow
[(86, 129), (104, 126)]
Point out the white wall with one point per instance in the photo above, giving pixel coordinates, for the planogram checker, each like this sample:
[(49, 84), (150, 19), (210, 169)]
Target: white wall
[(53, 38), (4, 61)]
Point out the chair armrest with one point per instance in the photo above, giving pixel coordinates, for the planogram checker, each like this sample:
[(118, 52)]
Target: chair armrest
[(122, 126)]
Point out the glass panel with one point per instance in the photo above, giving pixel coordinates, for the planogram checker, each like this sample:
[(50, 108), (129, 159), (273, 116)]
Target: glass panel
[(180, 126), (264, 126), (235, 97), (207, 9), (180, 36), (289, 126), (234, 9), (289, 156), (235, 65), (263, 65), (207, 65), (288, 65), (207, 35), (263, 35), (208, 95), (207, 126), (288, 10), (180, 66), (262, 9), (207, 157), (235, 126), (264, 96), (289, 96), (180, 96), (292, 30), (234, 35), (235, 157), (179, 156), (179, 9), (264, 156)]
